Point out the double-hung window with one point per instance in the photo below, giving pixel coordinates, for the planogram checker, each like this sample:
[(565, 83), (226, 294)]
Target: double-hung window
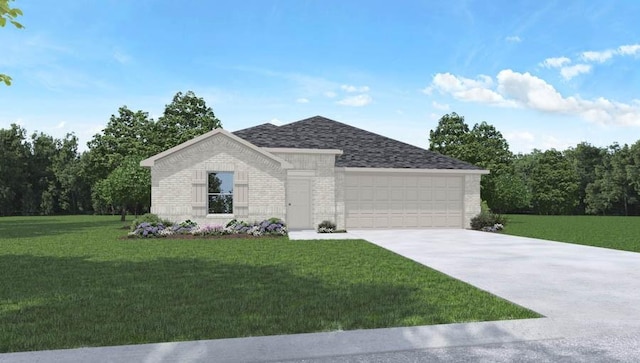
[(220, 193)]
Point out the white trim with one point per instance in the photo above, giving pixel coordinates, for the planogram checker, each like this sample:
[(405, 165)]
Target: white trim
[(226, 215), (415, 171), (289, 150), (149, 162), (301, 173)]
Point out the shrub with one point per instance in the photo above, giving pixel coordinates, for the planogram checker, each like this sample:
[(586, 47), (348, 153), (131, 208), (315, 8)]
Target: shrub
[(186, 227), (268, 227), (326, 227), (148, 230), (149, 218), (487, 221)]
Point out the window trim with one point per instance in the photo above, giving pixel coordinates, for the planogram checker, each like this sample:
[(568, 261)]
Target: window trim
[(220, 215)]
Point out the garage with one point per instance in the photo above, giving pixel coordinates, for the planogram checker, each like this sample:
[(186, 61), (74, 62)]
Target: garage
[(403, 200)]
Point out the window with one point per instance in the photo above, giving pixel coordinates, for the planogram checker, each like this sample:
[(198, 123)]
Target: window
[(220, 193)]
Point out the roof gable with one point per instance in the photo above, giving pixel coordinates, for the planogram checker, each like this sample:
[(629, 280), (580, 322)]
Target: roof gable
[(149, 162), (361, 148)]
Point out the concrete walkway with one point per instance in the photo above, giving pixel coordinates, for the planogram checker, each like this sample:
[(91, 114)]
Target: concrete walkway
[(590, 297)]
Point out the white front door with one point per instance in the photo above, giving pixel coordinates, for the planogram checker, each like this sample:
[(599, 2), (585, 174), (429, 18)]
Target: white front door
[(299, 204)]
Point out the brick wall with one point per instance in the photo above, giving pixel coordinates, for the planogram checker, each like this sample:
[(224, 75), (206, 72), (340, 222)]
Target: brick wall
[(172, 187), (320, 169), (471, 198)]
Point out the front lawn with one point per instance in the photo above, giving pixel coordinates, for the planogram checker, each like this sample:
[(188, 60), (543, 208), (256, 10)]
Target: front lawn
[(71, 282), (620, 233)]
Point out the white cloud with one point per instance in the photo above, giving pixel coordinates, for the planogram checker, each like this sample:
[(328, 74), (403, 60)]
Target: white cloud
[(330, 94), (555, 62), (351, 89), (427, 90), (356, 101), (572, 71), (631, 49), (302, 100), (599, 57), (525, 90), (513, 39), (440, 106), (466, 89)]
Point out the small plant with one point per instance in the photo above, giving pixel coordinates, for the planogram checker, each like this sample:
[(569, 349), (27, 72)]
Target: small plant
[(326, 227), (488, 222)]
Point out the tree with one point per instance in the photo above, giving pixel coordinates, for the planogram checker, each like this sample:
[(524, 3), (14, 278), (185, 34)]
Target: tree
[(553, 182), (613, 192), (483, 146), (14, 154), (127, 186), (450, 137), (7, 13), (585, 159), (186, 117), (128, 133)]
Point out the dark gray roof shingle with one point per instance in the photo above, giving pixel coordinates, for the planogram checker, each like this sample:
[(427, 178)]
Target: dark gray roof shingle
[(360, 148)]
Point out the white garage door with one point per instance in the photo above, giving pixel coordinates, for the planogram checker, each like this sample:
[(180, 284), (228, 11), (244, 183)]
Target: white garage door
[(377, 200)]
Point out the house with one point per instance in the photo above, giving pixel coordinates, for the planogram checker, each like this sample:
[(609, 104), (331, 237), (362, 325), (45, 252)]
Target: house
[(312, 170)]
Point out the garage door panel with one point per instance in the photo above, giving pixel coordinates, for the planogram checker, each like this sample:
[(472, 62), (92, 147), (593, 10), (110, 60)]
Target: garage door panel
[(411, 207), (411, 221), (424, 194), (411, 193), (381, 220), (397, 194), (381, 194), (388, 200), (397, 182), (454, 195), (397, 221), (381, 181), (396, 208), (366, 194)]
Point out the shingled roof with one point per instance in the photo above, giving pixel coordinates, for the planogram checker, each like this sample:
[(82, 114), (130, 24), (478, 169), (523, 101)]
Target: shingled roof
[(361, 148)]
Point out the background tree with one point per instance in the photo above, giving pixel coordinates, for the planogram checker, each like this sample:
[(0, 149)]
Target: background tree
[(14, 154), (7, 13), (450, 137), (128, 133), (585, 159), (126, 187), (553, 182), (613, 191), (483, 146), (186, 117)]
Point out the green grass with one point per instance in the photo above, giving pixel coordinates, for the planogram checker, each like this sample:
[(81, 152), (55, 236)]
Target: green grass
[(71, 282), (620, 233)]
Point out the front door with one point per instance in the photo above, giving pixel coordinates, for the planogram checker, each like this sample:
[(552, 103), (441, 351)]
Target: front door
[(299, 204)]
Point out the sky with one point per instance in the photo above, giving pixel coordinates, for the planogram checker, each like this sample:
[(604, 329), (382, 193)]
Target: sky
[(547, 74)]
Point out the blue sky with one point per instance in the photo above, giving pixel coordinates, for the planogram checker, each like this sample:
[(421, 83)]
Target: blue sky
[(547, 74)]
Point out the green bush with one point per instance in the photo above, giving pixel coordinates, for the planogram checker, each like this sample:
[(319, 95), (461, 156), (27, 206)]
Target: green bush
[(149, 218), (326, 227), (487, 220)]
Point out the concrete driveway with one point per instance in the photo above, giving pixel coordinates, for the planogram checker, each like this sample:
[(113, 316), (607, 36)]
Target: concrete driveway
[(583, 290), (590, 298)]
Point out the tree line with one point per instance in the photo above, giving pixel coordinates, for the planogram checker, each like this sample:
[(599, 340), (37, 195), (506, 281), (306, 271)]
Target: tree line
[(42, 175), (584, 179)]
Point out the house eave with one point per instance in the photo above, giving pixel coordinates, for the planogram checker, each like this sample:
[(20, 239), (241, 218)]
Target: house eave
[(416, 171), (287, 150)]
